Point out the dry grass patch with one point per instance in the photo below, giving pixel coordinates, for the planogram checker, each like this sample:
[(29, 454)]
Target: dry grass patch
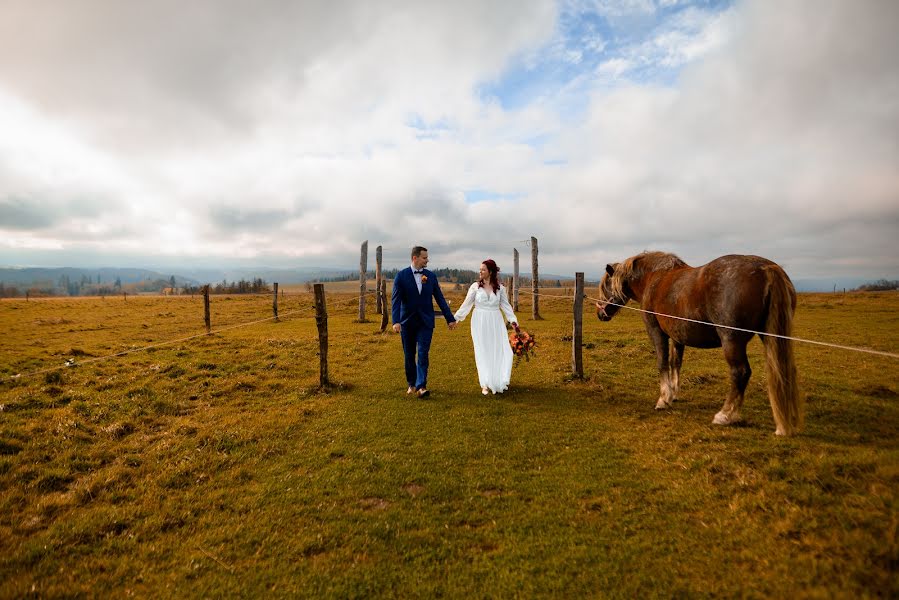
[(217, 467)]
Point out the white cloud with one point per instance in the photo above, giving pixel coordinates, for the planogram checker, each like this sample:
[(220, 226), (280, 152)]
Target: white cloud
[(768, 143), (614, 68), (622, 8), (691, 36), (293, 131)]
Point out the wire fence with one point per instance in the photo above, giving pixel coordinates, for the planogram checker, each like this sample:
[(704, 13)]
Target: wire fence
[(298, 313), (729, 327), (353, 300)]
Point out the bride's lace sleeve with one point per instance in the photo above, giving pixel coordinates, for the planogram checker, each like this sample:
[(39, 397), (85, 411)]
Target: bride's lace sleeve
[(506, 306), (468, 304)]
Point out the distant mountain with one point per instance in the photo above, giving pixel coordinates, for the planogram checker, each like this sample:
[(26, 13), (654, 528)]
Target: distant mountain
[(824, 284), (281, 276), (50, 277)]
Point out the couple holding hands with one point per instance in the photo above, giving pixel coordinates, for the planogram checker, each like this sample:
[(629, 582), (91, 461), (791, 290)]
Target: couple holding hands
[(414, 290)]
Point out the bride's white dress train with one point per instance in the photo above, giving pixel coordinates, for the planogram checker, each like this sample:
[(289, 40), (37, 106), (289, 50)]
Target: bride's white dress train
[(492, 352)]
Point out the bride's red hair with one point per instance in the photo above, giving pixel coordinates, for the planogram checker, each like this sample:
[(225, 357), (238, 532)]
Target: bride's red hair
[(493, 274)]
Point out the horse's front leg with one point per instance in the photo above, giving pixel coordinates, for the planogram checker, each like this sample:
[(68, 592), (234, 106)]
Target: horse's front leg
[(740, 372), (675, 360), (660, 341)]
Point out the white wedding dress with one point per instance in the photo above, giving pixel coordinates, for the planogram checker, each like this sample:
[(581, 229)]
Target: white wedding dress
[(492, 352)]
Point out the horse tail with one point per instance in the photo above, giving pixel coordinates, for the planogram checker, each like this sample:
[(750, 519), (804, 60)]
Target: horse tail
[(787, 403)]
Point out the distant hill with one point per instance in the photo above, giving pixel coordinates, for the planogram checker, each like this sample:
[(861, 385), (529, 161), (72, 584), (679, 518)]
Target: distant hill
[(50, 277), (824, 284), (270, 275)]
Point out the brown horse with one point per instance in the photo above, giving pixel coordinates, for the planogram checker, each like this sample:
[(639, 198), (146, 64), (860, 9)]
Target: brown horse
[(739, 294)]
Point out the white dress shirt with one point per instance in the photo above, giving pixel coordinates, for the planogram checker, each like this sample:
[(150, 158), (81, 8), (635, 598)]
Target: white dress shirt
[(417, 277)]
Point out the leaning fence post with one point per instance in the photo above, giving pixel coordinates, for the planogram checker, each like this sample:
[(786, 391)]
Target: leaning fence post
[(321, 320), (535, 281), (363, 267), (275, 300), (515, 282), (379, 251), (577, 336), (385, 314), (206, 308)]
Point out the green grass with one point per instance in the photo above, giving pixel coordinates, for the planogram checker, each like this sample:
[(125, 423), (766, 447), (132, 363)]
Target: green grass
[(215, 466)]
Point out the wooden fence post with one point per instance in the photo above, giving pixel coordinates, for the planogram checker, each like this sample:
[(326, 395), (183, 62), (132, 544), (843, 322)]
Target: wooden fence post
[(321, 320), (577, 336), (27, 296), (363, 267), (515, 282), (535, 281), (385, 314), (275, 300), (379, 251), (206, 309)]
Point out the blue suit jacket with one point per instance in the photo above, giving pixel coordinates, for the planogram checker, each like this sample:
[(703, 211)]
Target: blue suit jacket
[(407, 301)]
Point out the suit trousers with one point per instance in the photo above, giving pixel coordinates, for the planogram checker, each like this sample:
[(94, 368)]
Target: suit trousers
[(416, 337)]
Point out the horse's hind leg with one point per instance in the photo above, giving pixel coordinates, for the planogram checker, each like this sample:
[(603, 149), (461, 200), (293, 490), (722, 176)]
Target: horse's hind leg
[(675, 360), (735, 355)]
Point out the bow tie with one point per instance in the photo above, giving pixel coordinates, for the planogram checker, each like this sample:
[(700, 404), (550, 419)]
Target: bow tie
[(417, 272)]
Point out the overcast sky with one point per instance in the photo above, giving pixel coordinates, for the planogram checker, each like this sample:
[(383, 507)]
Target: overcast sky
[(284, 133)]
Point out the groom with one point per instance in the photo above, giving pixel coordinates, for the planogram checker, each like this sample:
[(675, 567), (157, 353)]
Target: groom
[(413, 317)]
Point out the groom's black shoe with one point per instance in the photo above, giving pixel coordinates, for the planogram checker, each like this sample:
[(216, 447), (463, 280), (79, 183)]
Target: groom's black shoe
[(423, 393)]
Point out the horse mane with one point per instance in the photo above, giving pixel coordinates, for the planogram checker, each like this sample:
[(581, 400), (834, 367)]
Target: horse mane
[(637, 266)]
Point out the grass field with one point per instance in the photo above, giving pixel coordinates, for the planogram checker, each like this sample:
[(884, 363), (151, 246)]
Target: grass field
[(214, 466)]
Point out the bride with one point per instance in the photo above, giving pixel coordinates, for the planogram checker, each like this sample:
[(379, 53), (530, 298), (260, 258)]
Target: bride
[(492, 352)]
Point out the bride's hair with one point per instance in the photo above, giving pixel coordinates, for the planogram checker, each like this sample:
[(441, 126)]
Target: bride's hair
[(493, 274)]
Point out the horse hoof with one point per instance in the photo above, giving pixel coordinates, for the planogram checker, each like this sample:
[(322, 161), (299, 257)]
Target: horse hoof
[(662, 404), (721, 419)]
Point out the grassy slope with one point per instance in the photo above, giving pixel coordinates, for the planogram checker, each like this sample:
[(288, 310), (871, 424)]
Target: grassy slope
[(213, 466)]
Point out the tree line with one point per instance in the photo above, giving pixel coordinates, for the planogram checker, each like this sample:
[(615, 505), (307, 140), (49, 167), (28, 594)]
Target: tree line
[(87, 286), (448, 275), (66, 286), (881, 285), (253, 286)]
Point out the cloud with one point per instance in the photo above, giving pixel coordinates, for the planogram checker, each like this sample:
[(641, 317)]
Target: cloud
[(17, 214), (293, 131), (228, 219), (771, 139)]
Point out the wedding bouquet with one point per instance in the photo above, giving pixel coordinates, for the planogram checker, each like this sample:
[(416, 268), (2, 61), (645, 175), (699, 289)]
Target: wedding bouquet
[(522, 344)]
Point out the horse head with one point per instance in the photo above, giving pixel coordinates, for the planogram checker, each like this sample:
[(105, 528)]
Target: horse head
[(612, 295)]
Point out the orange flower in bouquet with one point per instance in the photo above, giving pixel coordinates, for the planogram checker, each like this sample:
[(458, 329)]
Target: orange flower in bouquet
[(523, 344)]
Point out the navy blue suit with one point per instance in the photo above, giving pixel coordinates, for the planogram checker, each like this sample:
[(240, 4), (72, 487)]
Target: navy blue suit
[(414, 311)]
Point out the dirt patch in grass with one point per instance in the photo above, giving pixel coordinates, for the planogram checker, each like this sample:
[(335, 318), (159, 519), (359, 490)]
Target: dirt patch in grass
[(118, 430), (413, 489), (373, 503), (877, 391)]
